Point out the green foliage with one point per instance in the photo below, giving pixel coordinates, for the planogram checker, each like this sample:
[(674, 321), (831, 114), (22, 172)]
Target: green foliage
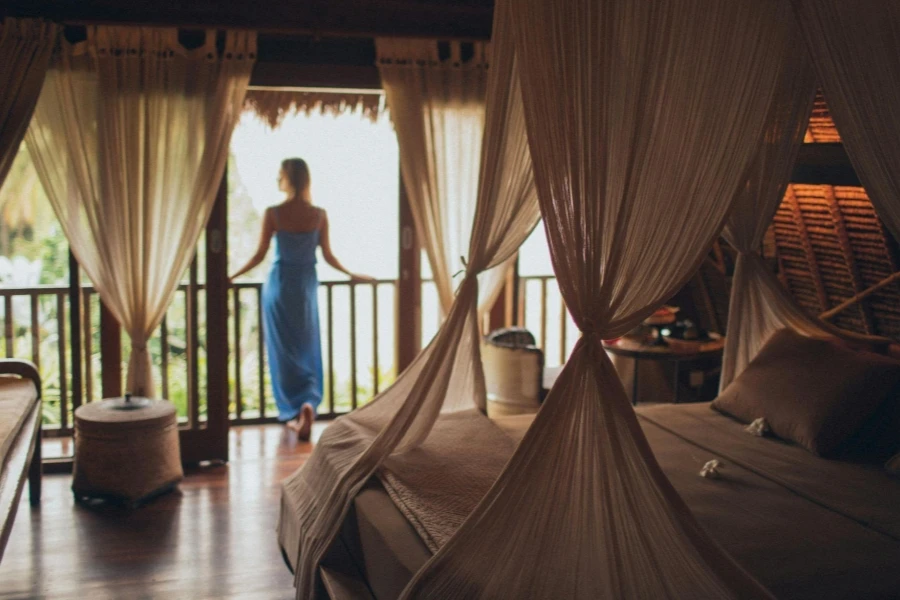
[(365, 390), (28, 226)]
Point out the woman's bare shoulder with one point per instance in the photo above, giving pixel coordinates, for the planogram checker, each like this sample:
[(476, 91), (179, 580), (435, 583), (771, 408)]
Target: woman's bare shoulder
[(273, 209)]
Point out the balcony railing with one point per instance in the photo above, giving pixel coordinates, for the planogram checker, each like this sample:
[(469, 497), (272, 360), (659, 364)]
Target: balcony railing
[(35, 327), (358, 332), (358, 325), (541, 309), (358, 328)]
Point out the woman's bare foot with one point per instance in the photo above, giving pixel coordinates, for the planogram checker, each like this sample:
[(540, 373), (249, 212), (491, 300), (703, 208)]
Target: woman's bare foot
[(294, 425), (304, 428)]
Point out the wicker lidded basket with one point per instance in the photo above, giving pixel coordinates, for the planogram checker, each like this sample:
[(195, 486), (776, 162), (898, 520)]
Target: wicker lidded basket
[(126, 449)]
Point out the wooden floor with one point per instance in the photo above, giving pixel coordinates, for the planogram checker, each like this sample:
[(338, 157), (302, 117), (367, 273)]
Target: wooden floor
[(214, 538)]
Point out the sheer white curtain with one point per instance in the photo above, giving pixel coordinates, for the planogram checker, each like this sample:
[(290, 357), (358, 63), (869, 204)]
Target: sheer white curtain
[(447, 376), (759, 304), (437, 108), (642, 120), (130, 140), (856, 50), (26, 46)]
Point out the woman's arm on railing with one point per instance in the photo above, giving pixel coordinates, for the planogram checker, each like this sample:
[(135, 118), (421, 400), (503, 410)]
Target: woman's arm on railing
[(265, 238), (331, 259)]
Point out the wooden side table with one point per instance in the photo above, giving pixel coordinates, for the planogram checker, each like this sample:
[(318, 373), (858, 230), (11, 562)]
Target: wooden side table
[(683, 352), (126, 450)]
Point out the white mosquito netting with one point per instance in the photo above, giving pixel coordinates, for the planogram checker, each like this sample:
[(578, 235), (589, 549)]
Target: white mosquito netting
[(643, 121), (856, 50), (857, 59), (447, 376), (759, 305)]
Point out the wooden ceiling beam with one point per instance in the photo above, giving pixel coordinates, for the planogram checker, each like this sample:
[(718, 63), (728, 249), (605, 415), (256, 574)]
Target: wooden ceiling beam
[(280, 75), (461, 19), (812, 260), (843, 237), (293, 61)]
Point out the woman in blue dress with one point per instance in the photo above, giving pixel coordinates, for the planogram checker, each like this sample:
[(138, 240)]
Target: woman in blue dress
[(290, 297)]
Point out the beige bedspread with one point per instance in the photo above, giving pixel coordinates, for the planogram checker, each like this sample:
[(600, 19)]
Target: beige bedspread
[(437, 485), (863, 493), (772, 509), (806, 527), (17, 398)]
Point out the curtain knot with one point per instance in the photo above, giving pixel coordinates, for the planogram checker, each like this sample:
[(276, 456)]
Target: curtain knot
[(590, 332), (589, 328), (464, 270), (469, 280)]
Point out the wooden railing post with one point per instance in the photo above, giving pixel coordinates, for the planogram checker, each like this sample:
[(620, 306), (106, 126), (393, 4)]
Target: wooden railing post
[(75, 329)]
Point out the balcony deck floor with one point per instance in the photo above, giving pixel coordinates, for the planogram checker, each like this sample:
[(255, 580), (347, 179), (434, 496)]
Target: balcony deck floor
[(214, 538)]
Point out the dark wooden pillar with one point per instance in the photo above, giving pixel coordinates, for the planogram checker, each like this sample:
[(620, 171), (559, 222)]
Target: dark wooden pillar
[(409, 288), (75, 322), (503, 312), (110, 353), (217, 323)]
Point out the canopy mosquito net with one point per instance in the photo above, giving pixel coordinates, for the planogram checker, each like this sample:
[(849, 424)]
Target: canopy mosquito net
[(637, 130)]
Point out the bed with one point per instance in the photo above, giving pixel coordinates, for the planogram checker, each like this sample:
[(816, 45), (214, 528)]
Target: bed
[(806, 527), (20, 430)]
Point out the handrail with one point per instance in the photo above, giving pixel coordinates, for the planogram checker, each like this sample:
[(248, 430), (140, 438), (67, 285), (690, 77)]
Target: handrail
[(49, 301), (49, 305), (64, 289)]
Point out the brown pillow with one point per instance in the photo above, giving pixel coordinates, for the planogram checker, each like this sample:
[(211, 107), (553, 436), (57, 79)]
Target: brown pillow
[(814, 392)]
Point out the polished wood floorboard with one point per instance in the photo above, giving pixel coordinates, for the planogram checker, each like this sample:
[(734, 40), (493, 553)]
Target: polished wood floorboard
[(213, 538)]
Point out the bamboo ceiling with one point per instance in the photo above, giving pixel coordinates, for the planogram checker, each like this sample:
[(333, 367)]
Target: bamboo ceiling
[(821, 127), (827, 245), (830, 246)]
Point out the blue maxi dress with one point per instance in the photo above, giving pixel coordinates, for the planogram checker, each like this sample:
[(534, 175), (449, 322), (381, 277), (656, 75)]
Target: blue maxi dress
[(291, 323)]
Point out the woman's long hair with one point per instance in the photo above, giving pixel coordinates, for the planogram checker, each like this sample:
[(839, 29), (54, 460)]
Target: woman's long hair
[(297, 172)]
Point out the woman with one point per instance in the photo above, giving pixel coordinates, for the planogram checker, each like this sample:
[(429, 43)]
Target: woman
[(290, 297)]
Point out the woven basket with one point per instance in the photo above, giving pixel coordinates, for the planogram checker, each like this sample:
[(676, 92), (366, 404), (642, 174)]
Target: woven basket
[(126, 455)]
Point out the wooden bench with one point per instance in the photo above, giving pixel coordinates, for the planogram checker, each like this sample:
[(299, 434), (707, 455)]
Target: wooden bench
[(23, 458)]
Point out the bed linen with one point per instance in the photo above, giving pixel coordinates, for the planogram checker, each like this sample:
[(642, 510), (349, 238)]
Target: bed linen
[(806, 527)]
